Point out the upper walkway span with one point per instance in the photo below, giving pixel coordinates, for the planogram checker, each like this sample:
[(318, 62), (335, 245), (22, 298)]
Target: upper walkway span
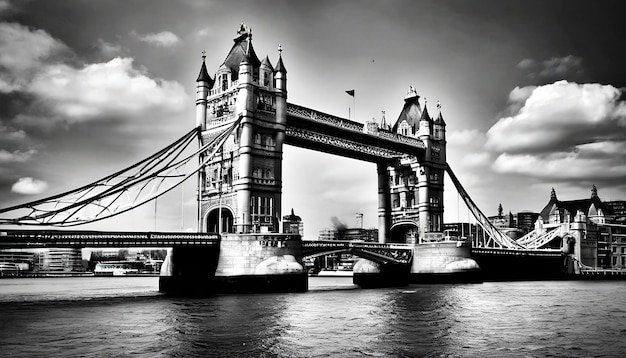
[(312, 129)]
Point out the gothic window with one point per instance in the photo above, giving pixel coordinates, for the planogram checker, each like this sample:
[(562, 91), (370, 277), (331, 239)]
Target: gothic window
[(266, 80), (224, 82), (257, 138), (228, 179)]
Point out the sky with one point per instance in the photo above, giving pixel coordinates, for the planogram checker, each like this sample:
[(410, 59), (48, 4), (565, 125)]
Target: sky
[(531, 91)]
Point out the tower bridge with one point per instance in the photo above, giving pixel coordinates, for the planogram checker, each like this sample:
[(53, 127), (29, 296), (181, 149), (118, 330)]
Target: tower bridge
[(243, 120)]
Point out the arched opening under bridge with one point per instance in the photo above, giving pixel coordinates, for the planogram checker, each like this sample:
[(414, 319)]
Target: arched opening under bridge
[(404, 232), (213, 218)]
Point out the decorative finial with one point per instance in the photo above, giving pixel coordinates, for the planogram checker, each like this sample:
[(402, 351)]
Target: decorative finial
[(425, 101), (594, 191), (383, 111), (438, 104), (203, 55), (280, 49)]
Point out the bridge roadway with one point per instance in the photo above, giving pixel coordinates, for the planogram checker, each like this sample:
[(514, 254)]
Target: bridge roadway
[(391, 252), (36, 239)]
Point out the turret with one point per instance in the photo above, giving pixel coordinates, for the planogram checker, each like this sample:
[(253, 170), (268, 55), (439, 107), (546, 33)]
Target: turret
[(425, 128), (266, 73), (203, 85), (280, 73), (439, 125)]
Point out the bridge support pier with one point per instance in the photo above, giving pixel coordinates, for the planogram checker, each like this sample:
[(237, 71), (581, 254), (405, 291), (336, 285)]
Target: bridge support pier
[(242, 263), (368, 274), (261, 263), (189, 271), (444, 261)]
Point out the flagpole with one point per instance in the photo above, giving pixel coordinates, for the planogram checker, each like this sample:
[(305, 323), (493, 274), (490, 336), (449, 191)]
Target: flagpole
[(351, 93)]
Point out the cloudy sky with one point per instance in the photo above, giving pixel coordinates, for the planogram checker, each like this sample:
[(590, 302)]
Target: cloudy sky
[(531, 92)]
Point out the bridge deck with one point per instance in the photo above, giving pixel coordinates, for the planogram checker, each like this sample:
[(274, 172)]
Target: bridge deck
[(35, 239)]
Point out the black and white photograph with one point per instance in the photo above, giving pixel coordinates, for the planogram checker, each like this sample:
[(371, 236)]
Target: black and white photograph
[(332, 178)]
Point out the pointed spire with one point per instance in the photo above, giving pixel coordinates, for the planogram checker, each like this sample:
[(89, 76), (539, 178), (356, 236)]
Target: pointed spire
[(243, 31), (204, 74), (383, 122), (425, 116), (553, 195), (439, 119), (411, 93), (280, 67), (266, 63)]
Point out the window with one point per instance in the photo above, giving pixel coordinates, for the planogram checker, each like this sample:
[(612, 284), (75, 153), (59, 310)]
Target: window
[(224, 82), (266, 81)]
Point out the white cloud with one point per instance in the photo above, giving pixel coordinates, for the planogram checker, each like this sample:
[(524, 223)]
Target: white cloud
[(11, 134), (111, 88), (163, 38), (31, 62), (558, 116), (466, 137), (29, 186), (207, 31), (22, 52), (563, 131), (561, 166), (108, 49), (16, 156)]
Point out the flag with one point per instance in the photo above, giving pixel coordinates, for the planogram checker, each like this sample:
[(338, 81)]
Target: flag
[(350, 92)]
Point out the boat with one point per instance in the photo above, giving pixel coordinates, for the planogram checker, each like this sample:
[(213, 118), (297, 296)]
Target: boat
[(335, 273), (117, 268)]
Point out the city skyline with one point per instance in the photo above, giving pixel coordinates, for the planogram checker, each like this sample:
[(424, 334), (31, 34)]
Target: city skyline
[(531, 94)]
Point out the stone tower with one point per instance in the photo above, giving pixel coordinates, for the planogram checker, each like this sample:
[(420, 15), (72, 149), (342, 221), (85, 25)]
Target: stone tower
[(416, 182), (240, 187)]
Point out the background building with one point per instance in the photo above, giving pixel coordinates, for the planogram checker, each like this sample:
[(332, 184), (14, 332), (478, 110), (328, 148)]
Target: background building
[(293, 224)]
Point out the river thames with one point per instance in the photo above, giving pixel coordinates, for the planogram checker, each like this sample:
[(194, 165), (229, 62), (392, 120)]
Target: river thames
[(118, 317)]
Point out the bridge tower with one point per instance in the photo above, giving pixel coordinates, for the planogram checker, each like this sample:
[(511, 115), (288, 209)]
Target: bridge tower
[(240, 187), (415, 183)]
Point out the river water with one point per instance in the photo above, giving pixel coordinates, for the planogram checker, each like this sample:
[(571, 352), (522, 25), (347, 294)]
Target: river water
[(120, 317)]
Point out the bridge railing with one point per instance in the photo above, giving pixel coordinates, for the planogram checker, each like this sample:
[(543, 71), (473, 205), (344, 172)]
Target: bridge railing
[(308, 113)]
